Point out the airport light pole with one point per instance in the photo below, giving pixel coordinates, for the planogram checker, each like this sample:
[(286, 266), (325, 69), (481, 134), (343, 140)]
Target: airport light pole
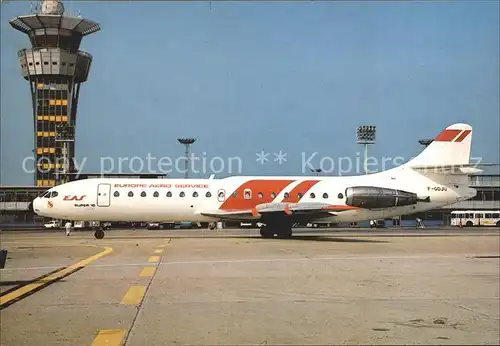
[(316, 170), (425, 142), (365, 135), (65, 133), (187, 144)]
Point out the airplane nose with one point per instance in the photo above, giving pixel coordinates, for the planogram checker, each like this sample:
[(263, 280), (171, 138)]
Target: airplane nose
[(35, 205)]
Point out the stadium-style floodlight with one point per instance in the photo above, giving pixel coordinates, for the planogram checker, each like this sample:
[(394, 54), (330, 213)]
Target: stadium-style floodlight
[(65, 133), (365, 135), (187, 143)]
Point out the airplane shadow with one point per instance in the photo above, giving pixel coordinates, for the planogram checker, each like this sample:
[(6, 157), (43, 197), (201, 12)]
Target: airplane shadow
[(24, 282), (316, 238), (295, 237)]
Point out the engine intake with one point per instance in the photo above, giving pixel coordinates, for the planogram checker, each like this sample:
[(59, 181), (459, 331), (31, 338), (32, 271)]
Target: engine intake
[(370, 197)]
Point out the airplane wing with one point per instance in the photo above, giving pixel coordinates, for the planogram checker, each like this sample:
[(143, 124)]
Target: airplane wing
[(294, 210)]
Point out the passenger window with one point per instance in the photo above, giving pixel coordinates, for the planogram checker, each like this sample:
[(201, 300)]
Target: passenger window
[(143, 194), (247, 194), (273, 195), (325, 195), (299, 195), (340, 196), (286, 195), (54, 194), (182, 194), (312, 195), (130, 194), (156, 194), (496, 215), (487, 215), (208, 194), (116, 194), (195, 194), (260, 195), (169, 194)]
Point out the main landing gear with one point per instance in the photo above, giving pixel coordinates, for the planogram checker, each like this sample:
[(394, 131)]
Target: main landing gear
[(99, 233), (280, 229)]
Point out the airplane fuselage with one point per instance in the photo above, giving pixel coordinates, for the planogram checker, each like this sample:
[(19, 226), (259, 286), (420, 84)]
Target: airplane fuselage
[(164, 200), (435, 178)]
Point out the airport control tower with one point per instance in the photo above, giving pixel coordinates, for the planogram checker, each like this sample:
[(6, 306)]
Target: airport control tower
[(55, 69)]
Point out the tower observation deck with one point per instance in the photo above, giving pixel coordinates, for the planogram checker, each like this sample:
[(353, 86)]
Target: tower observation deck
[(55, 68)]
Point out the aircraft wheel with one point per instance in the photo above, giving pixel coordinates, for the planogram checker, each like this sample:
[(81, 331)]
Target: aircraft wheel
[(266, 232), (99, 234)]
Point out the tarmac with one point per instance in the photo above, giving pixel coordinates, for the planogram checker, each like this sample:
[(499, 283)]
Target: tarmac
[(232, 287)]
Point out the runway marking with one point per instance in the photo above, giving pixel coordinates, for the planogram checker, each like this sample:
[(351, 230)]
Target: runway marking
[(134, 295), (158, 251), (29, 289), (109, 337), (338, 258), (12, 289), (147, 271), (154, 259)]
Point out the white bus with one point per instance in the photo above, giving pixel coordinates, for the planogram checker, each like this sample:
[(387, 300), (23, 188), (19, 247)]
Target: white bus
[(469, 218)]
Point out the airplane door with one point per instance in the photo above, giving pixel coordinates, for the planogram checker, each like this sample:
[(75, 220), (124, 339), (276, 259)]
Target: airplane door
[(221, 195), (103, 195)]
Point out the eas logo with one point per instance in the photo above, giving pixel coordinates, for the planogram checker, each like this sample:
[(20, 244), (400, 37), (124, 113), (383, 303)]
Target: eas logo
[(50, 204), (73, 198)]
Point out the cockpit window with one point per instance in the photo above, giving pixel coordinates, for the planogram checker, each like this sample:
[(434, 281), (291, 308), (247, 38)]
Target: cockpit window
[(54, 194), (46, 194)]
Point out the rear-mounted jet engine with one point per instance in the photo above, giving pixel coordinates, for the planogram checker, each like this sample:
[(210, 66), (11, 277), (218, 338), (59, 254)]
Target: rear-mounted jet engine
[(370, 197)]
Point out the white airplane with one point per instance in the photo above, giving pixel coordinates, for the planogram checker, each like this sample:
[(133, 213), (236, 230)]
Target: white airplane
[(437, 177)]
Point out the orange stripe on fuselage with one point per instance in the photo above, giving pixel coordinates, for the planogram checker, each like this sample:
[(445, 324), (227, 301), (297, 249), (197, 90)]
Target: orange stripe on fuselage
[(463, 135), (266, 187), (447, 135), (302, 188)]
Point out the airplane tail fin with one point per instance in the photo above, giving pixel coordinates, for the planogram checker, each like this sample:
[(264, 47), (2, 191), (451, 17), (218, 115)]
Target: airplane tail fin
[(448, 154), (451, 147)]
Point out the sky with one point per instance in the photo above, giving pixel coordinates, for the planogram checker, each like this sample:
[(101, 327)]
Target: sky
[(246, 78)]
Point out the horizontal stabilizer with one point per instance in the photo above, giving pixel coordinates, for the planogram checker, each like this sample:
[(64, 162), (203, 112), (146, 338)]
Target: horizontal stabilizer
[(469, 168)]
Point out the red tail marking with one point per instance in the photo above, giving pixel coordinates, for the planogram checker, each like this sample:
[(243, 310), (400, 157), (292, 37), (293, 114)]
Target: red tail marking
[(463, 135), (447, 135), (302, 188), (266, 187)]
